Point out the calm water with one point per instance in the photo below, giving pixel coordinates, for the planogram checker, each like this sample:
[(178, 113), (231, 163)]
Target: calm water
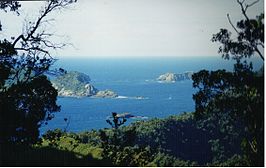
[(130, 77)]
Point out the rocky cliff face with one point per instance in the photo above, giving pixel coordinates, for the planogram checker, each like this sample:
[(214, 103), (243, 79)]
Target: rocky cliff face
[(77, 84), (173, 77), (74, 84)]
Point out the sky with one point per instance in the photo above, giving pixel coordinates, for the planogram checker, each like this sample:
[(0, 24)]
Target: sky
[(139, 28)]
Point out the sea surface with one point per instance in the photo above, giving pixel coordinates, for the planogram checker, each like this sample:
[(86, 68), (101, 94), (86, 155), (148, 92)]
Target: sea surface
[(131, 77)]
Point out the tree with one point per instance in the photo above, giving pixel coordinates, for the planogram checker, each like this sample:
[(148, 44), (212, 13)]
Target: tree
[(12, 5), (249, 32), (117, 121), (231, 103), (27, 98)]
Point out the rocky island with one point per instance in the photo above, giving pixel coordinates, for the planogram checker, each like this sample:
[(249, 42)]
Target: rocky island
[(106, 94), (77, 84), (174, 77)]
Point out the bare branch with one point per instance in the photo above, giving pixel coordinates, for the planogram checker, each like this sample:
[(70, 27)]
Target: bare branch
[(34, 28), (253, 3), (240, 1), (244, 9), (52, 5), (228, 17), (34, 42), (261, 44), (260, 54), (33, 48)]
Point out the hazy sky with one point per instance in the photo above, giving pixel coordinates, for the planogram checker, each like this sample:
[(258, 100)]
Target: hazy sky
[(138, 27)]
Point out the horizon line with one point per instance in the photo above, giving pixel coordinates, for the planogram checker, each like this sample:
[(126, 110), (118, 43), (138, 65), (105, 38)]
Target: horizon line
[(125, 57)]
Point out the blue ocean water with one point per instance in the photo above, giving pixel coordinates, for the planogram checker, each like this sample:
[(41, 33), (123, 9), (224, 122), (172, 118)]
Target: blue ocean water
[(131, 77)]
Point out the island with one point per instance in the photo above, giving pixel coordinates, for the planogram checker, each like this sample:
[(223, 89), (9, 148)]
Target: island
[(174, 77), (106, 94), (77, 84)]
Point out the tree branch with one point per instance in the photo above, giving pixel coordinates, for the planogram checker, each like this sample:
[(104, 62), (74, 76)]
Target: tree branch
[(249, 5), (228, 17), (33, 48), (260, 54), (261, 44), (244, 9), (46, 11), (52, 5)]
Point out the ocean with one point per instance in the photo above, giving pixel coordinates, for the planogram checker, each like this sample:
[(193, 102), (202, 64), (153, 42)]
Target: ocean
[(131, 77)]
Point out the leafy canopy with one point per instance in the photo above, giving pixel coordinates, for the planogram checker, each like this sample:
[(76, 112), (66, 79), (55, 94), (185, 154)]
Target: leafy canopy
[(231, 103), (27, 98), (249, 36)]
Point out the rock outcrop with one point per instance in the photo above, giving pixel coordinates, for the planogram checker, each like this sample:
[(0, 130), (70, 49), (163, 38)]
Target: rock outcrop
[(77, 84), (106, 94), (174, 77)]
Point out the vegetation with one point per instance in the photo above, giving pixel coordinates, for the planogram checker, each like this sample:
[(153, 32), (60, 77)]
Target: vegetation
[(74, 83), (231, 103), (174, 141), (72, 78), (118, 146), (249, 33), (226, 128), (234, 101), (27, 98)]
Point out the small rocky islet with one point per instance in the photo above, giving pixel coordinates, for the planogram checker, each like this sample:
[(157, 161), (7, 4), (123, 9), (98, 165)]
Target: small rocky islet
[(106, 94), (174, 77)]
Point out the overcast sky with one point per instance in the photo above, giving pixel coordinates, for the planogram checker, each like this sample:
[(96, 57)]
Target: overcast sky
[(138, 27)]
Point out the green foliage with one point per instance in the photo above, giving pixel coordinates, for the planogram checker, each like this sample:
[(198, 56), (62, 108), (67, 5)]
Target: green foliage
[(24, 107), (250, 37), (23, 155), (165, 160), (184, 144), (231, 105), (27, 98), (71, 142), (73, 81), (53, 136), (176, 135), (92, 137), (234, 161), (122, 150), (225, 130), (129, 156)]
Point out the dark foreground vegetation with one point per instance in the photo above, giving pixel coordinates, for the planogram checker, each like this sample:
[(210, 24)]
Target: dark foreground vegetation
[(174, 141), (226, 129)]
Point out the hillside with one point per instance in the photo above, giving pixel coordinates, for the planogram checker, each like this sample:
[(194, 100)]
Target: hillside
[(173, 141), (77, 84)]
